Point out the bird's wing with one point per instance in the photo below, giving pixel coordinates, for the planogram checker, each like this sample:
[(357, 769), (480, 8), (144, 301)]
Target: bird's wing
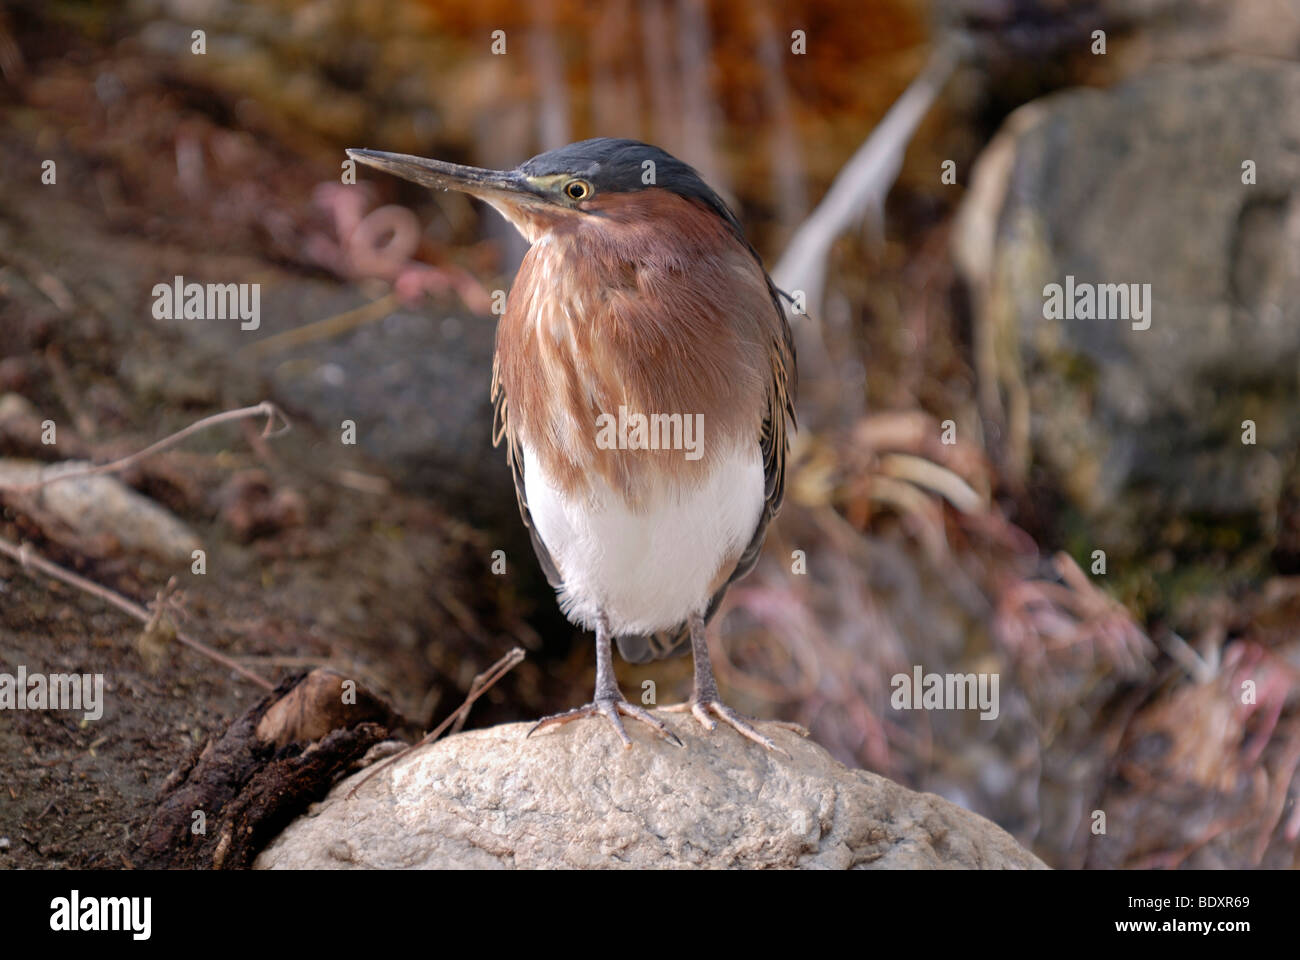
[(501, 429), (773, 441), (774, 445)]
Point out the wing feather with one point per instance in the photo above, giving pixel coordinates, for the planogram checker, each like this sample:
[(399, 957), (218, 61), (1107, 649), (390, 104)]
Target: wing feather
[(501, 430)]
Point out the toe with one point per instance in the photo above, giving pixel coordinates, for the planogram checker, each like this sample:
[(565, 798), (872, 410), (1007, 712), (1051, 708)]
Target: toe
[(792, 727), (701, 713), (610, 710), (646, 717), (556, 719), (744, 728)]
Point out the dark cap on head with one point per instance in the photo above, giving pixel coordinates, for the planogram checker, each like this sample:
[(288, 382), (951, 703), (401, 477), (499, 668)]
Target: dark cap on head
[(614, 165)]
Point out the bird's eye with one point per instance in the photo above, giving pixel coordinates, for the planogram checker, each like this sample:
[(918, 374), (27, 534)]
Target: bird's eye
[(577, 189)]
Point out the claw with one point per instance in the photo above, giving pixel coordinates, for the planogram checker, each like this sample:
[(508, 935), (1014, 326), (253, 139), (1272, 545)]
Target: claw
[(610, 710), (700, 709)]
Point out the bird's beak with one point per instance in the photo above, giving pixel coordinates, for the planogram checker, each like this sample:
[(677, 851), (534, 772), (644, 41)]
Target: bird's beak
[(508, 187)]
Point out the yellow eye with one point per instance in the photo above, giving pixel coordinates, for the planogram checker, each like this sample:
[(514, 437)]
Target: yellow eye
[(577, 189)]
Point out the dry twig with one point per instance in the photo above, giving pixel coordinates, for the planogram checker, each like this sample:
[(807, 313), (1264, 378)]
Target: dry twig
[(481, 685), (264, 409), (26, 559), (164, 603)]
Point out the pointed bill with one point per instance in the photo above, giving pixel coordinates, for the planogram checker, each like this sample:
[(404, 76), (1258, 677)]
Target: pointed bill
[(477, 182)]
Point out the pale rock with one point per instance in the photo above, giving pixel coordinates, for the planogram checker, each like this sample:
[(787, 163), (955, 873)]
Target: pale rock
[(572, 797)]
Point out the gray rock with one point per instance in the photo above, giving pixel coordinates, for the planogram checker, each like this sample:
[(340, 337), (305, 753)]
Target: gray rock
[(1047, 35), (102, 505), (574, 798), (418, 388), (1134, 424)]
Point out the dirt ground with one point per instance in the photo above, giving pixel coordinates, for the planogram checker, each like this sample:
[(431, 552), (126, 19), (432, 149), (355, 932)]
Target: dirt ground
[(383, 587), (313, 557)]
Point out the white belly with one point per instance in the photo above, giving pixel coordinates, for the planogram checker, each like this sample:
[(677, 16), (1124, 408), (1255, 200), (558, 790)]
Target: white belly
[(648, 570)]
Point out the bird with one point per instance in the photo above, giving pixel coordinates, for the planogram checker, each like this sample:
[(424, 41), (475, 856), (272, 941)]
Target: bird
[(643, 383)]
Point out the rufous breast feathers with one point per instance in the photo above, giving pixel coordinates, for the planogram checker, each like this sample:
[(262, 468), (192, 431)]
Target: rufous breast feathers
[(635, 344)]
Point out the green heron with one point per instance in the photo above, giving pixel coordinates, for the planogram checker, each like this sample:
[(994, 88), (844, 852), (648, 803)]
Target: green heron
[(643, 376)]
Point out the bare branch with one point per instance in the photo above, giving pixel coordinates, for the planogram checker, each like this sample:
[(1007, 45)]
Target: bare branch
[(264, 409), (27, 558)]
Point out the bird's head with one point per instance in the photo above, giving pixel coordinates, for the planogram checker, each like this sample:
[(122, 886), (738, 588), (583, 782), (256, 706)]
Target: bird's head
[(591, 178)]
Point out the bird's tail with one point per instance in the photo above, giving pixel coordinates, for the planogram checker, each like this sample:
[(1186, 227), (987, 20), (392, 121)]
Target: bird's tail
[(642, 648)]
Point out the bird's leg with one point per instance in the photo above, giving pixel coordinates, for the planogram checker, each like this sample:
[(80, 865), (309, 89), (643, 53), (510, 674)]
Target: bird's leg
[(609, 701), (705, 699)]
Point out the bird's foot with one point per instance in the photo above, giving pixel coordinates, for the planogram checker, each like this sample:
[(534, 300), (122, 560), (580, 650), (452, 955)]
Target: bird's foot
[(610, 708), (700, 709)]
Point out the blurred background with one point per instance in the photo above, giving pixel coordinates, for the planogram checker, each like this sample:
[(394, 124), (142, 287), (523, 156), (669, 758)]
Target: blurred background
[(962, 460)]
